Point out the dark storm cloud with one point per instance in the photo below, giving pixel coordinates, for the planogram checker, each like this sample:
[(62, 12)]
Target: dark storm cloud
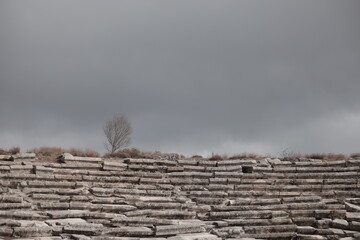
[(192, 76)]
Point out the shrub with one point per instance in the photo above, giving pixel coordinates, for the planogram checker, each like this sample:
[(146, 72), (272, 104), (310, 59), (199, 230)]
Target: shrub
[(196, 156), (289, 155), (2, 151), (48, 151), (355, 155), (14, 150)]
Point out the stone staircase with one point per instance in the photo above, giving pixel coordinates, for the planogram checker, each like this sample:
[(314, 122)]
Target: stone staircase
[(94, 198)]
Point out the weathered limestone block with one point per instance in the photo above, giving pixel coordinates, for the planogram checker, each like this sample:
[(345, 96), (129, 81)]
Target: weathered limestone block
[(168, 230), (32, 231), (323, 223), (217, 180), (66, 221), (337, 232), (15, 205), (305, 230), (67, 157), (280, 235), (188, 162), (229, 232), (88, 229), (301, 199), (21, 214), (154, 181), (32, 223), (5, 231), (209, 200), (236, 162), (208, 163), (352, 207), (125, 191), (192, 188), (51, 184), (195, 236), (219, 187), (4, 169), (21, 168), (214, 194), (262, 169), (161, 205), (81, 165), (80, 237), (205, 175), (175, 169), (10, 199), (139, 221), (130, 231), (304, 221), (151, 168), (150, 162), (155, 199), (310, 237), (228, 174), (190, 168), (114, 166), (354, 225), (269, 229), (68, 214), (24, 156), (248, 214), (340, 223), (173, 214), (43, 170), (9, 222), (54, 205), (102, 191), (6, 158), (117, 208), (188, 181), (224, 169)]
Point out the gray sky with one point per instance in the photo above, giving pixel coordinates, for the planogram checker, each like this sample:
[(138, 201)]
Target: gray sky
[(191, 76)]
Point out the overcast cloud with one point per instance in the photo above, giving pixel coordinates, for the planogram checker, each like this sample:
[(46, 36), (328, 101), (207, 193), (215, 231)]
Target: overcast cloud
[(191, 76)]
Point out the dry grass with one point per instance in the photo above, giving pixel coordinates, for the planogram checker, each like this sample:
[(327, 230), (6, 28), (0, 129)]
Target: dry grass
[(326, 156), (216, 157), (136, 153), (10, 151), (83, 153), (246, 156), (355, 155), (56, 151)]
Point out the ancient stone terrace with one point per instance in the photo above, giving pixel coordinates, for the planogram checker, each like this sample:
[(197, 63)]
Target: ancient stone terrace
[(94, 198)]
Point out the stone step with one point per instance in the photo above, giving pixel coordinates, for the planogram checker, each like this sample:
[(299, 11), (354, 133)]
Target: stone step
[(148, 221), (169, 230), (266, 214), (257, 222), (270, 229), (32, 231), (278, 236), (88, 229), (126, 231), (168, 214)]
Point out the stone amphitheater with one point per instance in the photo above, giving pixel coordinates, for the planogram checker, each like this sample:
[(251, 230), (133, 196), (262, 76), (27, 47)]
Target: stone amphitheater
[(94, 198)]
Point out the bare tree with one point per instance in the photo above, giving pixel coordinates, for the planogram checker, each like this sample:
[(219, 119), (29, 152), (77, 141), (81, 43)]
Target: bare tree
[(117, 132)]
